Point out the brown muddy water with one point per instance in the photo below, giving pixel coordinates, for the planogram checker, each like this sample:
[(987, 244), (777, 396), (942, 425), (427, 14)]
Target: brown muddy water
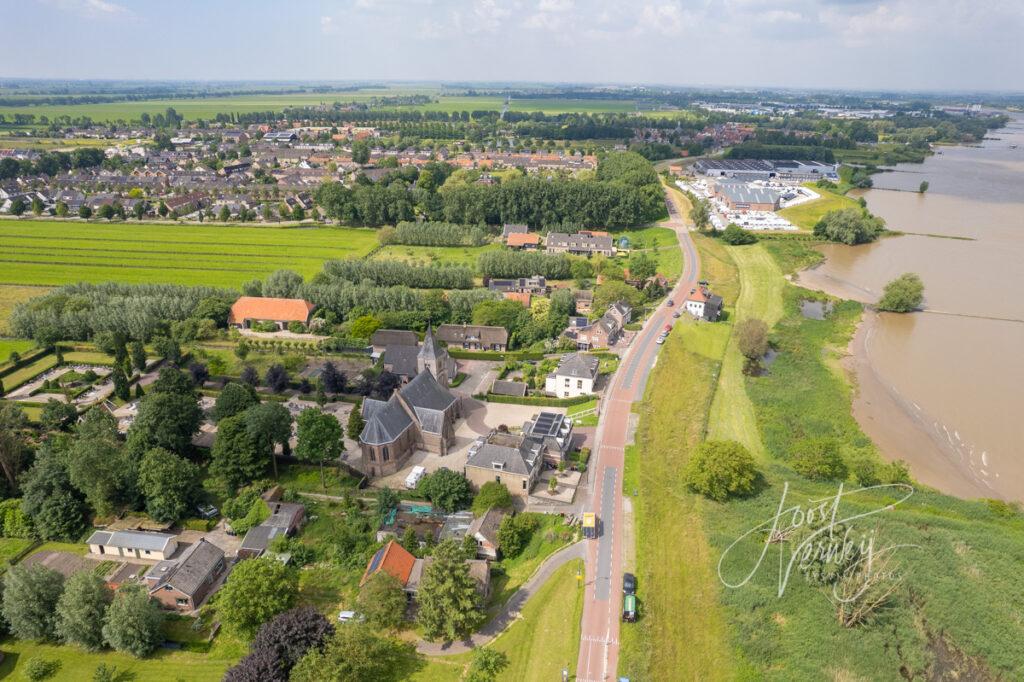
[(943, 389)]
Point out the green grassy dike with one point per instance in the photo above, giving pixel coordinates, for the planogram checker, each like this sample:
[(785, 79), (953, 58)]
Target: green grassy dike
[(958, 610)]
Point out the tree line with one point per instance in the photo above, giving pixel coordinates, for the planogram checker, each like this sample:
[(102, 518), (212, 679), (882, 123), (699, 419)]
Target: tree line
[(395, 273), (434, 234), (508, 263)]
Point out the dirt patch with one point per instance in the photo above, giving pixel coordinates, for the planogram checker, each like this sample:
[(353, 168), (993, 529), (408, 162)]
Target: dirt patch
[(65, 563)]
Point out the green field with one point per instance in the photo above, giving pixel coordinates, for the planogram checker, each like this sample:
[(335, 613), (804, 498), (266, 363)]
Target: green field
[(28, 372), (11, 296), (435, 255), (662, 243), (544, 640), (54, 253), (8, 346), (12, 547), (806, 216)]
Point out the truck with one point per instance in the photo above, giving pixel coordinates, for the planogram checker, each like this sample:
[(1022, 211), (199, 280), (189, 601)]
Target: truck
[(590, 525), (415, 476)]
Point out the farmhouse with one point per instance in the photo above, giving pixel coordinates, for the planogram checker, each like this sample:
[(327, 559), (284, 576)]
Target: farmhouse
[(132, 543), (574, 377), (474, 337), (703, 304), (420, 415), (385, 338), (520, 240), (395, 560), (183, 583), (281, 311)]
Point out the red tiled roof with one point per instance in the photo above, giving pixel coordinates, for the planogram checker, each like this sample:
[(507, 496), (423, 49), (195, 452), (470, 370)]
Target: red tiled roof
[(522, 239), (271, 309), (392, 558), (519, 297), (697, 296)]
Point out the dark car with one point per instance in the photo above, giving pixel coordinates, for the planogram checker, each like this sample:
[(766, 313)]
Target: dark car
[(670, 303), (629, 583)]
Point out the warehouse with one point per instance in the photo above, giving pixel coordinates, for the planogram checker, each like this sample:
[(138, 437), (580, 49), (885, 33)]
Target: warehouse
[(742, 197)]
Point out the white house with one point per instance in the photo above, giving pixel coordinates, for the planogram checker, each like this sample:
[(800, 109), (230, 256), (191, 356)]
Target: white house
[(575, 376), (703, 304), (133, 543)]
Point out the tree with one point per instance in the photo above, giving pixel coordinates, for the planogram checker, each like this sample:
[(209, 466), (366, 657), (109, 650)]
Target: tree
[(363, 327), (234, 398), (173, 380), (269, 424), (319, 439), (447, 489), (84, 212), (642, 266), (236, 458), (515, 531), (50, 500), (282, 284), (250, 376), (700, 214), (57, 415), (17, 207), (121, 388), (923, 187), (276, 378), (258, 590), (849, 226), (752, 337), (354, 654), (96, 464), (720, 469), (165, 420), (168, 349), (242, 350), (13, 452), (492, 495), (903, 294), (387, 500), (360, 152), (612, 292), (818, 459), (133, 622), (581, 270), (333, 380), (61, 210), (224, 215), (81, 607), (138, 354), (382, 601), (280, 644), (448, 597), (30, 601), (169, 483), (737, 236), (487, 665), (356, 423)]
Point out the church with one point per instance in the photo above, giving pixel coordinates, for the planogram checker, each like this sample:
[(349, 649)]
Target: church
[(420, 415)]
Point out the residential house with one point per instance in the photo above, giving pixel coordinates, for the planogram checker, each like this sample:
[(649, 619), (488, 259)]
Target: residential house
[(474, 337), (285, 519), (604, 332), (580, 244), (553, 432), (281, 311), (520, 240), (479, 571), (575, 376), (183, 583), (132, 543), (536, 285), (420, 415), (703, 304), (386, 338), (484, 530), (513, 228), (584, 299), (184, 204), (513, 460), (396, 561)]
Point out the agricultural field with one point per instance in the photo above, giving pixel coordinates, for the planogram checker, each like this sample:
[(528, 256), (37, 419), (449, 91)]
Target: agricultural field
[(435, 255), (8, 346), (52, 253), (805, 216)]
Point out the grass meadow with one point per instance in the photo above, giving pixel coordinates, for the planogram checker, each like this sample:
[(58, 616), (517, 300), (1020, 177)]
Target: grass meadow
[(10, 296), (805, 216), (52, 253)]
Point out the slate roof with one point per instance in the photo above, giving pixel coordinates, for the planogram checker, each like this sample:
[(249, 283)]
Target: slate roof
[(402, 360), (385, 421), (189, 572), (424, 392), (258, 538), (578, 366), (131, 539), (487, 525), (514, 388), (507, 452), (393, 337), (458, 333)]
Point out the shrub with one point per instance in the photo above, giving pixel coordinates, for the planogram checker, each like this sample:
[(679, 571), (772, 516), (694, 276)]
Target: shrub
[(903, 294), (849, 226), (39, 668), (737, 236), (752, 337), (492, 494), (818, 459), (720, 469)]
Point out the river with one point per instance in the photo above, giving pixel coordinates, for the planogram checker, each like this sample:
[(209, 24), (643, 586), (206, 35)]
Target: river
[(944, 389)]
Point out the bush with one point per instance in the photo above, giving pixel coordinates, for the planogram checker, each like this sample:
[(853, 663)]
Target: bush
[(818, 459), (492, 495), (446, 489), (903, 294), (515, 532), (752, 337), (39, 668), (296, 328), (737, 236), (720, 469), (849, 226)]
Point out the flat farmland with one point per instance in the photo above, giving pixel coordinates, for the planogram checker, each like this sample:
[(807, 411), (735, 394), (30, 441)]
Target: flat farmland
[(52, 253)]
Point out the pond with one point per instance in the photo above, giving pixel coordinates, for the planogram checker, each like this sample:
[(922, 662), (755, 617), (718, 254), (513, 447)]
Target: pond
[(815, 310)]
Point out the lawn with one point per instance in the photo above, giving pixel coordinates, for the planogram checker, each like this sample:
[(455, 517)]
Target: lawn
[(435, 255), (10, 296), (8, 346), (53, 253), (77, 664), (544, 640), (550, 536), (26, 373), (662, 243), (306, 478), (682, 632), (760, 297), (805, 216), (588, 420), (12, 547)]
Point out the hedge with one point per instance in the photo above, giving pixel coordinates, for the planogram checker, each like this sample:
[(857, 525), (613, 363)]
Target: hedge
[(540, 401), (25, 361), (459, 354)]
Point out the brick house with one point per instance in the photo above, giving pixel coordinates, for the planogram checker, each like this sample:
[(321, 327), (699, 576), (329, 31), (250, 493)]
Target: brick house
[(183, 583)]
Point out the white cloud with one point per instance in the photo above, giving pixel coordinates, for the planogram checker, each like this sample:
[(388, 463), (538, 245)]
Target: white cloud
[(93, 8), (430, 29), (666, 18), (327, 25)]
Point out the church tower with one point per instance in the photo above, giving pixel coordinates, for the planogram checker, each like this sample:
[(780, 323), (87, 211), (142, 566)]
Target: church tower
[(434, 359)]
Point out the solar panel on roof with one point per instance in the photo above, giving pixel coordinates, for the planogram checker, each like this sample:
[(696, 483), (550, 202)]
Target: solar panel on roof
[(375, 561)]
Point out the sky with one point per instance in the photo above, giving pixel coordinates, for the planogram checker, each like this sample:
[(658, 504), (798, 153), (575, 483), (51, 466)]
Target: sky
[(840, 44)]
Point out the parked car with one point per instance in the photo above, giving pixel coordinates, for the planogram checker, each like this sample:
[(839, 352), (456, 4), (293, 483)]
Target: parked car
[(350, 617), (415, 476), (676, 314), (668, 328), (629, 608), (207, 511), (629, 583), (661, 339), (670, 303)]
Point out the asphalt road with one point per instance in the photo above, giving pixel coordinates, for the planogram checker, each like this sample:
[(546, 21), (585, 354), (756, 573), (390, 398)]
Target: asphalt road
[(602, 607)]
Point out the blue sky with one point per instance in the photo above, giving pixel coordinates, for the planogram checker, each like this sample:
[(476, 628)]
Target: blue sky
[(898, 44)]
